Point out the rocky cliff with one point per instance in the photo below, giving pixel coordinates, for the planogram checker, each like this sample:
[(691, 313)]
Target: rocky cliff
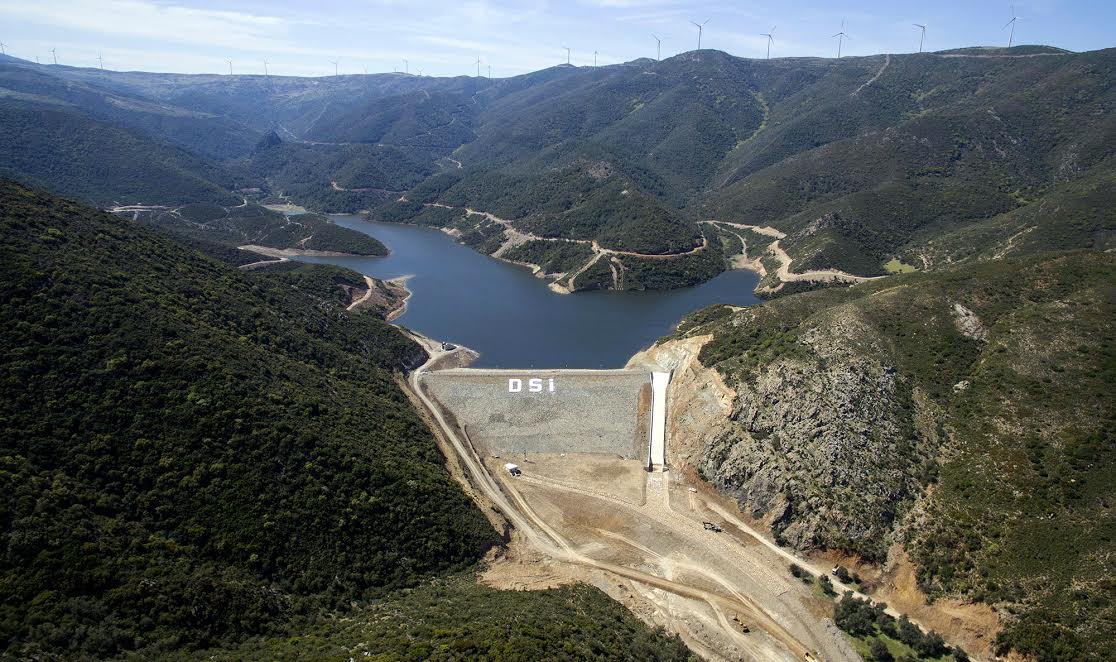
[(965, 418)]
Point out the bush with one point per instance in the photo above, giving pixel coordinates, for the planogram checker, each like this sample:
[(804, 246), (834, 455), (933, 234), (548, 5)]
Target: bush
[(826, 586), (879, 651)]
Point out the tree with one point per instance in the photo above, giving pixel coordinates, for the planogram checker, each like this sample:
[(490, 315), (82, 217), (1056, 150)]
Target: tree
[(826, 586), (909, 633), (932, 645), (879, 651), (843, 574)]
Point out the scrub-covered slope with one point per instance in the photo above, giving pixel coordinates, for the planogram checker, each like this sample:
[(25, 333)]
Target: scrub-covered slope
[(861, 165), (191, 453), (968, 416)]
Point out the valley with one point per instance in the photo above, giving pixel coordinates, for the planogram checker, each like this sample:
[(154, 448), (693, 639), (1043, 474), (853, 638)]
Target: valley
[(702, 357)]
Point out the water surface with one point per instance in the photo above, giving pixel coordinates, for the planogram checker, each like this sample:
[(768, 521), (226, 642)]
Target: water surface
[(511, 317)]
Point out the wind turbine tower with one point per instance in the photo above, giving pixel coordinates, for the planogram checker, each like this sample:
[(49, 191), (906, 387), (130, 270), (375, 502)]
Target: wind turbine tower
[(841, 37), (699, 27), (770, 38), (230, 66), (567, 55), (55, 54), (658, 47), (922, 37), (406, 66), (594, 59), (478, 66), (1011, 35), (2, 51), (101, 61), (265, 68)]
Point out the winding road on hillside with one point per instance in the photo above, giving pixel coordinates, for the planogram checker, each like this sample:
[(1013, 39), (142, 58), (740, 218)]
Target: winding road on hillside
[(784, 272), (515, 237)]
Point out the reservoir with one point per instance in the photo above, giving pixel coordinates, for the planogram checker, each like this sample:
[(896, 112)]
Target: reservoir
[(511, 317)]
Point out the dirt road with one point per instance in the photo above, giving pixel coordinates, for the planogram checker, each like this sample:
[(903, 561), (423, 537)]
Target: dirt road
[(713, 574)]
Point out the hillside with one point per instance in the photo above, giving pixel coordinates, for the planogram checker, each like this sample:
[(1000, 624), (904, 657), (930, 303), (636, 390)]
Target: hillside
[(914, 161), (964, 418), (193, 454), (250, 224), (75, 155)]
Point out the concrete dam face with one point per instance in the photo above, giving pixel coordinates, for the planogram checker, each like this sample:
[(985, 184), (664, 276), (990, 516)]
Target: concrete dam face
[(512, 412)]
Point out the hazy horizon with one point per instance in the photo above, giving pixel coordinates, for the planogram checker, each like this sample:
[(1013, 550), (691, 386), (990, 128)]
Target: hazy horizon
[(445, 39)]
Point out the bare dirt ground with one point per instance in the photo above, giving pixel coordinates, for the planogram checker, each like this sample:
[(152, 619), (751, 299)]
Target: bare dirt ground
[(699, 406), (776, 251), (640, 537)]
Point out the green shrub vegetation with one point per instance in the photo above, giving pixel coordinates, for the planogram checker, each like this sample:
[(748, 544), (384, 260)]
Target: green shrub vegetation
[(1016, 431), (880, 637), (551, 256), (101, 163), (256, 225), (925, 165), (191, 453), (195, 457), (458, 619)]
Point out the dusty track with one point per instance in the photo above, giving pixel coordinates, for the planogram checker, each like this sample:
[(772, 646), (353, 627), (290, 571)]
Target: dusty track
[(779, 633), (784, 272), (516, 237)]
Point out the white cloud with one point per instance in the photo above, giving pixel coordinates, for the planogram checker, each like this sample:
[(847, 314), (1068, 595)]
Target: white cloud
[(140, 19)]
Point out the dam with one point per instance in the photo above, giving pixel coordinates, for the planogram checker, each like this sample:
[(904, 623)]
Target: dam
[(519, 413)]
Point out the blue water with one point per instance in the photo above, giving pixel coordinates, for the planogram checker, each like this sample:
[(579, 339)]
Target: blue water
[(511, 317)]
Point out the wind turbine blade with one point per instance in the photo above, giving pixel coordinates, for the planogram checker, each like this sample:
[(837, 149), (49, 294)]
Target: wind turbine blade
[(1007, 24)]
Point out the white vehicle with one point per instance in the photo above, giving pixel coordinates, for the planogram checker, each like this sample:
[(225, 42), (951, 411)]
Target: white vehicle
[(513, 469)]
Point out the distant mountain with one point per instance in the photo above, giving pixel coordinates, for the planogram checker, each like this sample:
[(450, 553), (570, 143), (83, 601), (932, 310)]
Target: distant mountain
[(66, 150), (860, 162), (206, 134)]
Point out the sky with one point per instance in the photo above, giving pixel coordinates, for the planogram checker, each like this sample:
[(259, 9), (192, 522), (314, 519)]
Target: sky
[(445, 38)]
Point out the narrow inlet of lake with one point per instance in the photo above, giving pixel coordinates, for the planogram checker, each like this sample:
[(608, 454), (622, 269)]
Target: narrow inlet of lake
[(511, 317)]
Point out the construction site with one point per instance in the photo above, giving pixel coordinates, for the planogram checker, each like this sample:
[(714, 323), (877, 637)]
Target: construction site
[(575, 465)]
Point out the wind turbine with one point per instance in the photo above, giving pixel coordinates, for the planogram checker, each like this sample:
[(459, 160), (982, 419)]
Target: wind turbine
[(55, 54), (406, 66), (101, 60), (841, 37), (594, 59), (336, 67), (1011, 35), (699, 27), (770, 38), (2, 51), (478, 66), (490, 71), (567, 55), (230, 66), (265, 68), (658, 47), (922, 38)]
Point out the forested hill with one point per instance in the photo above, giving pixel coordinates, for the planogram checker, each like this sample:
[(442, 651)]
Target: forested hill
[(191, 454), (866, 164), (965, 418)]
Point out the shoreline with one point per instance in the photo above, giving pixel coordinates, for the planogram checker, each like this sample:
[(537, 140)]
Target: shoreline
[(401, 308), (298, 252)]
